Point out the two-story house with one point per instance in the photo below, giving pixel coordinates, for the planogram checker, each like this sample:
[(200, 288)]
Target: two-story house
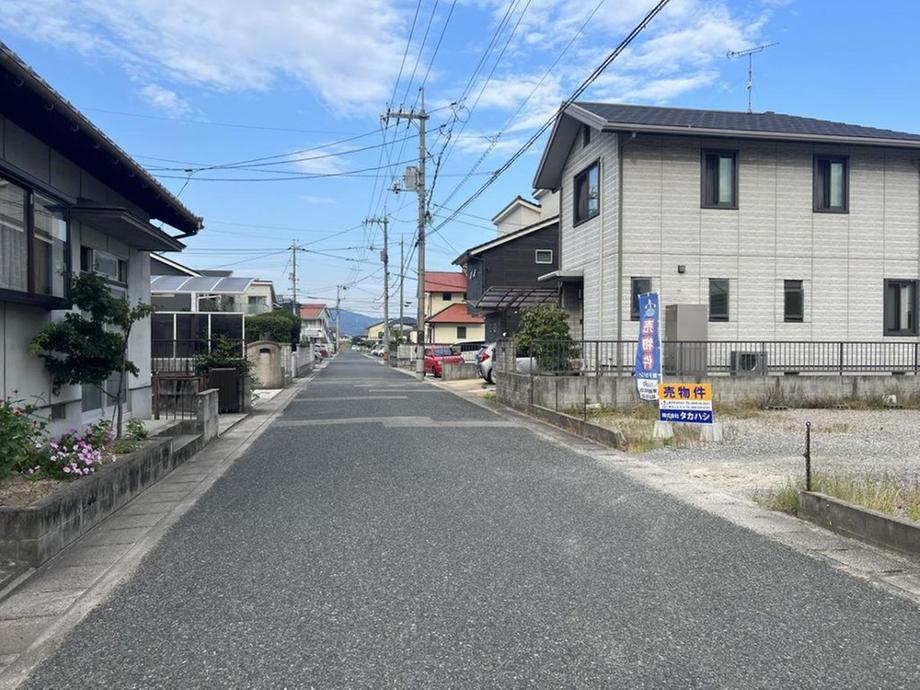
[(71, 200), (503, 274), (787, 228), (314, 324), (447, 319)]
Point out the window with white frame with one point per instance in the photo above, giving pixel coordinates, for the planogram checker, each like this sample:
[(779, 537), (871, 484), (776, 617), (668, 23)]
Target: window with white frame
[(544, 256)]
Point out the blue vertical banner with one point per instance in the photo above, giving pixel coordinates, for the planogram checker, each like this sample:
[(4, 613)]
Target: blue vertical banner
[(648, 348)]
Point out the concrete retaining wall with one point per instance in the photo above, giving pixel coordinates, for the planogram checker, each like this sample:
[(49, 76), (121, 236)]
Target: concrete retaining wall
[(860, 523), (455, 372), (571, 391), (37, 532), (208, 423)]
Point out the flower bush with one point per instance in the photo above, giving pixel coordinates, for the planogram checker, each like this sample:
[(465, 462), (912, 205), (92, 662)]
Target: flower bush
[(74, 454), (22, 434)]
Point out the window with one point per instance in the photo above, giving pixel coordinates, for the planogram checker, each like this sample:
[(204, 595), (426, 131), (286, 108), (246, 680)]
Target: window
[(900, 307), (720, 177), (793, 301), (718, 299), (587, 193), (461, 331), (33, 243), (14, 253), (446, 296), (831, 190), (585, 135), (107, 265), (544, 256), (639, 287)]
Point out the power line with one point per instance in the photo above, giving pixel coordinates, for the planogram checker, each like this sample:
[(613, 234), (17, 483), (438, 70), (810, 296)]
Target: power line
[(309, 176), (581, 89), (211, 123)]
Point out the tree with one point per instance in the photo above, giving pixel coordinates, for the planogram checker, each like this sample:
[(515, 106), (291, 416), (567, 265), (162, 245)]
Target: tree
[(279, 326), (91, 344), (544, 333)]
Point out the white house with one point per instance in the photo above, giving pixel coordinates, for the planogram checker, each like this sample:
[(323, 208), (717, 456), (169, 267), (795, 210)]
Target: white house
[(70, 200), (787, 228)]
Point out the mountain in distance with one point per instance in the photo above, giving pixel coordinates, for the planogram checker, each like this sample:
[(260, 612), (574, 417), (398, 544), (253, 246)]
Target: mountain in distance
[(352, 323)]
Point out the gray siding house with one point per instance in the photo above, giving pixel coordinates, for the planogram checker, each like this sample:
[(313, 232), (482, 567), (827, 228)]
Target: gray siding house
[(70, 200), (787, 228)]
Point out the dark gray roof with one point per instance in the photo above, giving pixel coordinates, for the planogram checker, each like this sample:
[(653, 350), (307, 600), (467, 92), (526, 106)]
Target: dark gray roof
[(769, 122), (646, 119)]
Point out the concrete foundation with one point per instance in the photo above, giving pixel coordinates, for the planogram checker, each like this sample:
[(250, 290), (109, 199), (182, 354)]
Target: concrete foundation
[(860, 523)]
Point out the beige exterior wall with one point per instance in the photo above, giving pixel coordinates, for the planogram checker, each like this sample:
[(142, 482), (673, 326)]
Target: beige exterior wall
[(773, 236), (446, 333), (591, 247), (19, 323), (435, 302)]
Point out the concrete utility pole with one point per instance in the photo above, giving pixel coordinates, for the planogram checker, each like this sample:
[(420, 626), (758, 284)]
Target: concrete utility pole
[(385, 255), (338, 302), (422, 118), (402, 277), (293, 275)]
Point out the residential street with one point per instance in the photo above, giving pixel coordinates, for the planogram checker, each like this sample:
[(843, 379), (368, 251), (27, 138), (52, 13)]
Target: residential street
[(386, 533)]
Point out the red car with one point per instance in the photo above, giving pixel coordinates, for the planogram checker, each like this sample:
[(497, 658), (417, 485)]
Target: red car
[(436, 357)]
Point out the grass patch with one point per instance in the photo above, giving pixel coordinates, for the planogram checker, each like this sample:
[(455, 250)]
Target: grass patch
[(873, 491)]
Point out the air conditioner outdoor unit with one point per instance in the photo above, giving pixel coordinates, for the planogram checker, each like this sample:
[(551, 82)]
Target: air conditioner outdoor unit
[(748, 363)]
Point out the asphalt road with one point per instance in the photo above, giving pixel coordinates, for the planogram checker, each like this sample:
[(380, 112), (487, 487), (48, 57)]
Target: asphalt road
[(344, 552)]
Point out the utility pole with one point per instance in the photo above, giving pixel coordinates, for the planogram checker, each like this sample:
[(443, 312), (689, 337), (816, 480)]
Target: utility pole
[(338, 302), (385, 255), (422, 118), (293, 276), (402, 277)]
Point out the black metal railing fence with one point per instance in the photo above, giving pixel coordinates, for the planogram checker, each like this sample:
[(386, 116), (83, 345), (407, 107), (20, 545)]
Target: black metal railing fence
[(713, 358)]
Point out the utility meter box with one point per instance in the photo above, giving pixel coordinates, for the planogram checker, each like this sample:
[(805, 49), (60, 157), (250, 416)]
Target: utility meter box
[(686, 336)]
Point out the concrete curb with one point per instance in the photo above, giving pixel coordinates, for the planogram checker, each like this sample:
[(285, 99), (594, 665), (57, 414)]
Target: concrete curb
[(574, 425), (860, 523)]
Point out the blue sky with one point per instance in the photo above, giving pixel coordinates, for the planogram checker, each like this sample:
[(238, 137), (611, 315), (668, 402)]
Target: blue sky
[(195, 83)]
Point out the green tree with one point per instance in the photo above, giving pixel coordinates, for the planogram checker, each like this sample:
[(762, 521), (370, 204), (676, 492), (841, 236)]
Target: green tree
[(279, 326), (544, 333), (91, 344)]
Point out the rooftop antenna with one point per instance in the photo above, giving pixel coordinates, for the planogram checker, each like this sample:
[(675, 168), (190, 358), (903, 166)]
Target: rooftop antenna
[(749, 53)]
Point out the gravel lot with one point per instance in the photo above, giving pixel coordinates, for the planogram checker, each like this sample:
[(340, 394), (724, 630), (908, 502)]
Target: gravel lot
[(762, 451)]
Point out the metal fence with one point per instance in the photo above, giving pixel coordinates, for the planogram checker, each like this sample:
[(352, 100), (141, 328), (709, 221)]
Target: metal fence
[(175, 376), (715, 358)]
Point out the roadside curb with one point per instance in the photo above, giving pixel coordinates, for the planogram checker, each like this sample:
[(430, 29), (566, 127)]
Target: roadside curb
[(895, 573)]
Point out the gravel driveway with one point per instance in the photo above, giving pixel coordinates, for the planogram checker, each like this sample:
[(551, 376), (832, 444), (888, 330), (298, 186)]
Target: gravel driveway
[(762, 451)]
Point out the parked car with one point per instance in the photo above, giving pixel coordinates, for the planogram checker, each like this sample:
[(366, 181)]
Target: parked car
[(469, 349), (436, 357), (323, 351), (375, 350), (485, 359)]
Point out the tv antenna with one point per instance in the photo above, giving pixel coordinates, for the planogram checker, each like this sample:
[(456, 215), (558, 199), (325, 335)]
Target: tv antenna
[(749, 53)]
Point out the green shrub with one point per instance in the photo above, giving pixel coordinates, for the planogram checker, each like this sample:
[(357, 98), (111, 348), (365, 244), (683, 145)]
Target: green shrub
[(279, 326), (22, 433), (224, 353), (136, 429), (544, 334)]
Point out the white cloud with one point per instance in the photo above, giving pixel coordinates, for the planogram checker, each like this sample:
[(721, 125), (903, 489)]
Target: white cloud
[(165, 99), (347, 51)]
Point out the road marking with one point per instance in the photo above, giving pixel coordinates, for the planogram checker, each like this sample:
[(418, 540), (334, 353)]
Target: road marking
[(398, 422), (354, 397)]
